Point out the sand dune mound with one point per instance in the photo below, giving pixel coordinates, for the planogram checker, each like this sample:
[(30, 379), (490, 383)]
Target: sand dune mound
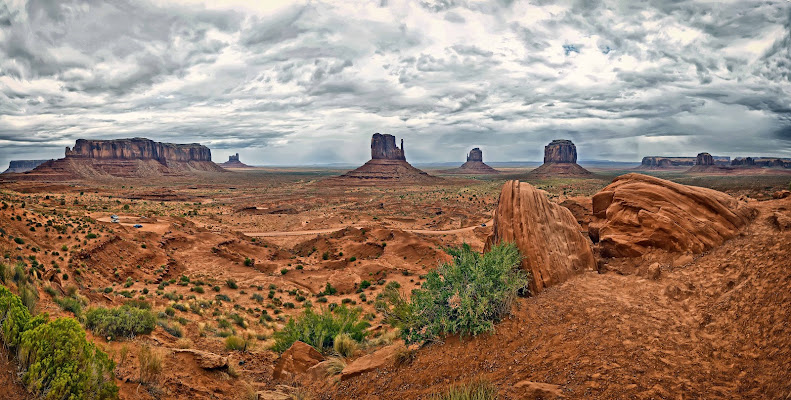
[(638, 212), (547, 234)]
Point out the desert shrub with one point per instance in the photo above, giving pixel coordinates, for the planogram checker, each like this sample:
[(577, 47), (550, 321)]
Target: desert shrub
[(248, 262), (344, 345), (320, 329), (335, 365), (150, 364), (60, 363), (231, 284), (184, 343), (123, 321), (70, 304), (234, 342), (56, 360), (465, 296), (475, 390), (171, 329), (29, 296)]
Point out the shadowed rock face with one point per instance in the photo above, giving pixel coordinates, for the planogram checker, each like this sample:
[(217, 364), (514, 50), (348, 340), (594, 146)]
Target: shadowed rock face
[(704, 159), (475, 155), (547, 234), (636, 213), (19, 166), (383, 147), (138, 149), (560, 151)]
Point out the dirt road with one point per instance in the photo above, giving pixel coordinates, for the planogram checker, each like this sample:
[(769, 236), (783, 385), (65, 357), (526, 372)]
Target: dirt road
[(331, 230)]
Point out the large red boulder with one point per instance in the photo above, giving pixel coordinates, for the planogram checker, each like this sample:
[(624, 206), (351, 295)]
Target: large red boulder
[(547, 234), (638, 212), (296, 361)]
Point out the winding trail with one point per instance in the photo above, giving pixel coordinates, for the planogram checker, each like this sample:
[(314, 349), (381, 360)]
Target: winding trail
[(331, 230)]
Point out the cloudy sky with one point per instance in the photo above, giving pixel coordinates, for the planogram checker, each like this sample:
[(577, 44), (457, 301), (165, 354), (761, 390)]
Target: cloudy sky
[(303, 82)]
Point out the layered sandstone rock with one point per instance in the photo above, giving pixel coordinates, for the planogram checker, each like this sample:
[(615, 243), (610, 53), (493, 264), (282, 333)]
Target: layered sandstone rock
[(138, 149), (547, 234), (474, 165), (20, 166), (560, 159), (126, 158), (233, 162), (383, 147), (636, 213), (388, 164)]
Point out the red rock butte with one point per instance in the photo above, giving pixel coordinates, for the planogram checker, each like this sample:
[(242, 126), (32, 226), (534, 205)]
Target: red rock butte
[(388, 164), (474, 165), (233, 162), (560, 159), (127, 158)]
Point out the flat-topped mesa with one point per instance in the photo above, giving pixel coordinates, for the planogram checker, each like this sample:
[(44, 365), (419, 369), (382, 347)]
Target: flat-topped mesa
[(765, 162), (704, 159), (475, 155), (661, 162), (560, 151), (138, 149), (383, 147), (20, 166)]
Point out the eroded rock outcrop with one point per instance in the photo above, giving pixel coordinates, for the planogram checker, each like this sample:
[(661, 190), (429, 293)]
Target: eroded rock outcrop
[(20, 166), (126, 158), (388, 164), (704, 159), (138, 149), (233, 162), (663, 162), (474, 165), (560, 159), (636, 213), (547, 234)]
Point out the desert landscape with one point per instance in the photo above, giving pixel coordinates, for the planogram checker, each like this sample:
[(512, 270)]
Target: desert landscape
[(395, 199), (639, 286)]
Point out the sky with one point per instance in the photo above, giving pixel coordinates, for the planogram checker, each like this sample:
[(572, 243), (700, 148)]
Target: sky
[(309, 82)]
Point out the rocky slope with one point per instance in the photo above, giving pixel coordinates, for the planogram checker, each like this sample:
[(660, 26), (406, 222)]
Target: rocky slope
[(547, 234), (714, 327), (637, 213), (560, 159)]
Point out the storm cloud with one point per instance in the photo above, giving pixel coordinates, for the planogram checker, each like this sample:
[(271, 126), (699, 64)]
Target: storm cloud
[(287, 83)]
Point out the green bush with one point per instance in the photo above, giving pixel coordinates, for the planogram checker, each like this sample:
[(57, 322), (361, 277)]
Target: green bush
[(235, 343), (70, 304), (466, 296), (320, 330), (56, 360), (124, 321)]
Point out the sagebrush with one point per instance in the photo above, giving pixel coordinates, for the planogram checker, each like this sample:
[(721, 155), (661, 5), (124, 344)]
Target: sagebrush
[(466, 296), (320, 329)]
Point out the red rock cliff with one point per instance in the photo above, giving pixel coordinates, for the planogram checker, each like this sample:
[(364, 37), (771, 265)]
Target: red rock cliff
[(383, 147), (560, 151), (138, 149)]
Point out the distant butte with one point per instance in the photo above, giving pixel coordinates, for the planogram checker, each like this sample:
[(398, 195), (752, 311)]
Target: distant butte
[(474, 165), (233, 162), (125, 158), (20, 166), (560, 159), (388, 164)]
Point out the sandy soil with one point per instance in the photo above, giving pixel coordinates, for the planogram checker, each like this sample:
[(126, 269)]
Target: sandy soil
[(707, 329)]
